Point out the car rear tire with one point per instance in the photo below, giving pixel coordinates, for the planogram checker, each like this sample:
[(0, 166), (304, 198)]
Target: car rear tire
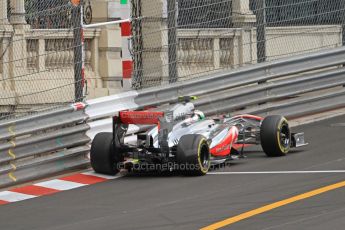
[(104, 156), (275, 136), (193, 155)]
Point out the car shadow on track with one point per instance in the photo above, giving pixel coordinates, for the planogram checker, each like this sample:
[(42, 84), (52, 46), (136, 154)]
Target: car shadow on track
[(167, 174), (261, 155), (148, 174), (296, 151)]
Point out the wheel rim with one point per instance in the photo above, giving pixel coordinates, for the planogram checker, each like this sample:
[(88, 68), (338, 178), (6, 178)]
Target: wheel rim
[(115, 159), (285, 136), (204, 157)]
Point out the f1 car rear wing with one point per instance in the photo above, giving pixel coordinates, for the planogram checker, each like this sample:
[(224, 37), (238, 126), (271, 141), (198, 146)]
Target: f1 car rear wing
[(150, 117), (125, 118), (140, 117), (164, 120)]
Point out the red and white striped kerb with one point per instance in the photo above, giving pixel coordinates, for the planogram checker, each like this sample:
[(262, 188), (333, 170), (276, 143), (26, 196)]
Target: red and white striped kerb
[(52, 186)]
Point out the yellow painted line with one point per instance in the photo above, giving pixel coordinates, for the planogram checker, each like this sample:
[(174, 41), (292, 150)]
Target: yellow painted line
[(10, 175), (14, 167), (272, 206), (11, 131), (11, 154), (13, 143)]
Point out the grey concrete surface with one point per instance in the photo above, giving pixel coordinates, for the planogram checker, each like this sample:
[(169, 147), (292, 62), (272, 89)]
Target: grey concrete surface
[(174, 202)]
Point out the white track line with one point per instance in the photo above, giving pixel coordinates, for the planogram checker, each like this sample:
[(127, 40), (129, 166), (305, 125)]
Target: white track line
[(276, 172)]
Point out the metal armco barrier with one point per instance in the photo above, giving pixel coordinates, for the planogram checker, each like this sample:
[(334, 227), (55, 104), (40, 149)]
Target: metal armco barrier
[(245, 76), (234, 99), (232, 90), (302, 106), (57, 141), (107, 106), (42, 145)]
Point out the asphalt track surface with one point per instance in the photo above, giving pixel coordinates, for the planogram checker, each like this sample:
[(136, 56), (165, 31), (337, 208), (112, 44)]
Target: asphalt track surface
[(176, 202)]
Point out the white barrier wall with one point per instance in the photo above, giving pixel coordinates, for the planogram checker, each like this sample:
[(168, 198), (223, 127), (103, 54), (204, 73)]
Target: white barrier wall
[(204, 50), (288, 41)]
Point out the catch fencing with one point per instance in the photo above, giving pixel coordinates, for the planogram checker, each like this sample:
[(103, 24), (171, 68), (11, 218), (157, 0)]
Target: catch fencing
[(42, 60), (180, 40), (41, 56)]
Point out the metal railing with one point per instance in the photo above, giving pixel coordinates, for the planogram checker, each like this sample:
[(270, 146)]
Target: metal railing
[(43, 145)]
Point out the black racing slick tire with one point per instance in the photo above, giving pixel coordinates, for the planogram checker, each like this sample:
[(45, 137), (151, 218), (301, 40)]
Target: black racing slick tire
[(275, 136), (103, 155), (193, 155)]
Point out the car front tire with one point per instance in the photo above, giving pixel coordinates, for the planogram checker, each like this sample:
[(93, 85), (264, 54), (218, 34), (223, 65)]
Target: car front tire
[(275, 136)]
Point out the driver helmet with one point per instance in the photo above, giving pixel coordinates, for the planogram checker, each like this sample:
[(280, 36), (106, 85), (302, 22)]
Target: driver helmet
[(200, 114)]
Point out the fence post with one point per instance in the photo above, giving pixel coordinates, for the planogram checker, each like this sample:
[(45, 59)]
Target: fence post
[(137, 43), (342, 12), (3, 12), (261, 30), (78, 51), (172, 40)]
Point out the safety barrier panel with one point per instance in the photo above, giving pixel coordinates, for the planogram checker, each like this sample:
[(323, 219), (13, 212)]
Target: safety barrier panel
[(42, 145), (57, 141)]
